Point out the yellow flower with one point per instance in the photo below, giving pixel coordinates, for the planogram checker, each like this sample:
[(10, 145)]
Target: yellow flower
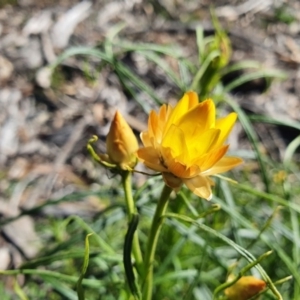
[(121, 143), (186, 144), (245, 288)]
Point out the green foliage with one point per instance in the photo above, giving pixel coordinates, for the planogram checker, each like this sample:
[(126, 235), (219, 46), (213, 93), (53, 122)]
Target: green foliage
[(214, 55), (282, 14), (201, 242)]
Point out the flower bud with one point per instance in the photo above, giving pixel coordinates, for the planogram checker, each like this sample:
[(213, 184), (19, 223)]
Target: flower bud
[(245, 288), (121, 143)]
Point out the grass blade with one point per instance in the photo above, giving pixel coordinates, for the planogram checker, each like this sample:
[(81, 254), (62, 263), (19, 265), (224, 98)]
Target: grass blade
[(252, 137), (80, 291)]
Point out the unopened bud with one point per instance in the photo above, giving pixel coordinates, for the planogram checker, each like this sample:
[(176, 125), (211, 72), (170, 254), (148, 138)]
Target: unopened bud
[(121, 143), (245, 288)]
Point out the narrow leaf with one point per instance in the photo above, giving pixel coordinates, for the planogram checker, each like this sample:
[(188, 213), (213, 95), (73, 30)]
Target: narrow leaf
[(80, 291), (127, 256)]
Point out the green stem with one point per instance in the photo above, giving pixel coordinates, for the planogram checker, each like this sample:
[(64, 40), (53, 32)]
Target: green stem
[(131, 210), (156, 225)]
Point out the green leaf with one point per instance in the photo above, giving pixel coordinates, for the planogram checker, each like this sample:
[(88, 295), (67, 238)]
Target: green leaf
[(62, 288), (290, 151), (241, 65), (80, 291), (204, 67), (47, 260), (267, 74), (243, 252), (252, 136), (19, 291), (164, 66), (127, 256)]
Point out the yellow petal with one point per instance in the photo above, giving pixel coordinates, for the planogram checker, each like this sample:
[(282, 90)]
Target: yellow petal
[(200, 186), (202, 143), (151, 158), (208, 160), (193, 99), (186, 103), (225, 164), (152, 123), (203, 115), (156, 122), (182, 171), (226, 125), (174, 139), (146, 140), (164, 113)]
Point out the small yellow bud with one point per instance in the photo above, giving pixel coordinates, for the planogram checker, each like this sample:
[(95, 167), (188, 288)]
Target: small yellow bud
[(280, 176), (245, 288), (121, 143)]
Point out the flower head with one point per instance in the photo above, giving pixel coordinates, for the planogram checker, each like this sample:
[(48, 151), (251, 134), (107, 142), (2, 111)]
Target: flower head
[(186, 144), (245, 288), (121, 143)]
